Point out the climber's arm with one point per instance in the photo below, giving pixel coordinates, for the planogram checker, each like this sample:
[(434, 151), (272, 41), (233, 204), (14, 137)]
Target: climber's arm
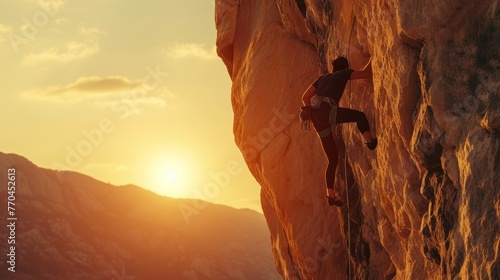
[(306, 97), (366, 73)]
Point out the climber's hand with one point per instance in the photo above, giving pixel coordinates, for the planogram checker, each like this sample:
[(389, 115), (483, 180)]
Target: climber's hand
[(305, 113)]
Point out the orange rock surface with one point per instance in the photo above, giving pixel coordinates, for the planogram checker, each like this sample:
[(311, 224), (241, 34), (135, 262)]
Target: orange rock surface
[(425, 204)]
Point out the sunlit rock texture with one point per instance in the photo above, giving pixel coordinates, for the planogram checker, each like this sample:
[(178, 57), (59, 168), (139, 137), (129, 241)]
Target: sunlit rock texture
[(425, 204)]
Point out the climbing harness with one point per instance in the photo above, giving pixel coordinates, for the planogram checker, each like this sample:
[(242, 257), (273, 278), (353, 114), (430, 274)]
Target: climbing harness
[(307, 113), (316, 102), (305, 118), (305, 125)]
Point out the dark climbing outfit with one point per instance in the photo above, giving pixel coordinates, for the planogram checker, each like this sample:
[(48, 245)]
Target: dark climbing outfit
[(330, 88)]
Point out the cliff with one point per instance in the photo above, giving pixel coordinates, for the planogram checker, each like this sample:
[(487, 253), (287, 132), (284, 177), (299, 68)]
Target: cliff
[(71, 226), (425, 204)]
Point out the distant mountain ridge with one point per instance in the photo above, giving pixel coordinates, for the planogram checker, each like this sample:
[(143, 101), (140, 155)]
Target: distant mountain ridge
[(71, 226)]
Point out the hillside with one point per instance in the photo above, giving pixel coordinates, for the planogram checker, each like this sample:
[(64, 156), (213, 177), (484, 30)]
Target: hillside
[(70, 226)]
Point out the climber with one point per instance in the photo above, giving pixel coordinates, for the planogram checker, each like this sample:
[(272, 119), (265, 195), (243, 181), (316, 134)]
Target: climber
[(320, 106)]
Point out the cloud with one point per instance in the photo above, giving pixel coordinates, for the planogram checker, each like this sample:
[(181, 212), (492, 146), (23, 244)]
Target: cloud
[(73, 51), (51, 5), (184, 50), (134, 101), (4, 29), (115, 92), (60, 20), (134, 104), (85, 88), (91, 30)]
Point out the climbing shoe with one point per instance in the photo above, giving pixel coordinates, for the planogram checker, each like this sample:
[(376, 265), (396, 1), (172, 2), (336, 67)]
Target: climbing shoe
[(334, 201), (373, 144)]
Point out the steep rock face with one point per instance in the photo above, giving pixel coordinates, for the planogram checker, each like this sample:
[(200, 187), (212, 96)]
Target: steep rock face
[(425, 204)]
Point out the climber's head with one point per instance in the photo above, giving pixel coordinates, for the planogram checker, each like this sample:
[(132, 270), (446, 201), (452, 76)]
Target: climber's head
[(340, 63)]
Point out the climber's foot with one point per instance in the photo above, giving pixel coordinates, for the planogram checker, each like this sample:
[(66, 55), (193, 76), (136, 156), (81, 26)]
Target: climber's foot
[(334, 201), (373, 144)]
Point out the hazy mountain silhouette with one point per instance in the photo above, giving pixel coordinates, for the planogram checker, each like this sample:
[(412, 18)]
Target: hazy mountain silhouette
[(71, 226)]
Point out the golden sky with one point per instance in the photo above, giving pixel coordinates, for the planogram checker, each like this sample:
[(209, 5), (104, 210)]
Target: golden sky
[(128, 92)]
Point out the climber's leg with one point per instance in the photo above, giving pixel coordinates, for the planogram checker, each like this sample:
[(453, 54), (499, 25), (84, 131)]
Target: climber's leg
[(368, 136), (330, 149), (345, 115), (328, 143)]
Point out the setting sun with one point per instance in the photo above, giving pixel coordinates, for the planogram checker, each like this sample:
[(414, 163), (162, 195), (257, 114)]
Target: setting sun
[(154, 112), (171, 177)]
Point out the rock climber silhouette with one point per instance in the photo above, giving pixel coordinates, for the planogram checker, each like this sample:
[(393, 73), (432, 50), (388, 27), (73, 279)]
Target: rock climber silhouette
[(320, 106)]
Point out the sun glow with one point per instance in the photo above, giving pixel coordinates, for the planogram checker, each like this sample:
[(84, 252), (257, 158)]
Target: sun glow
[(172, 177)]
